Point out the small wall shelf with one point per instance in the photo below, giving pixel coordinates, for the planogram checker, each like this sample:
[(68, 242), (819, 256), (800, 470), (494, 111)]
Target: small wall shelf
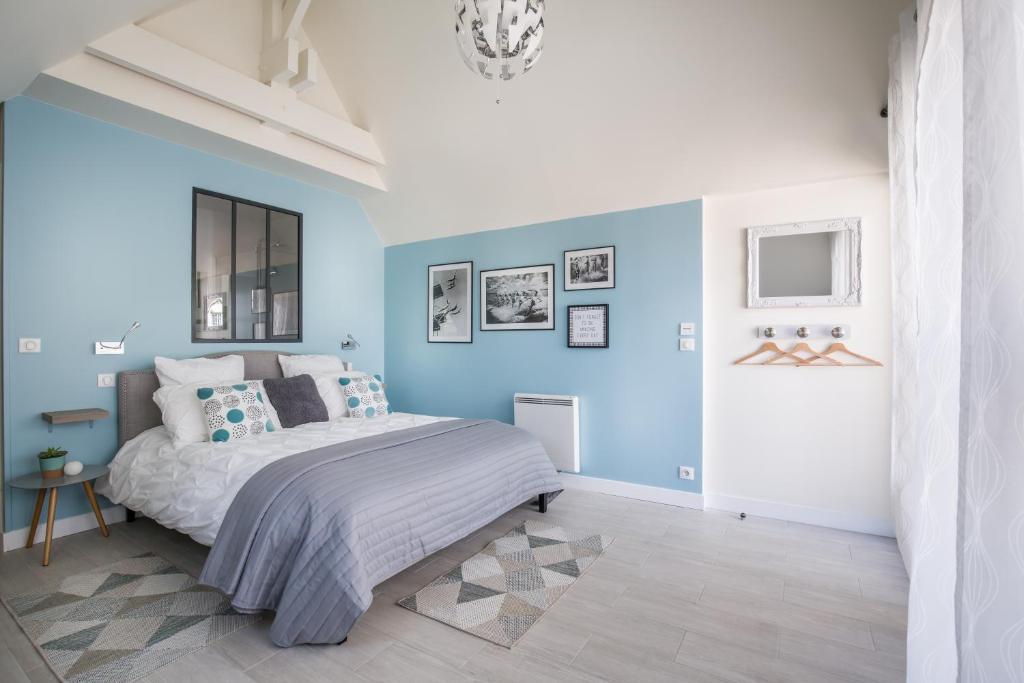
[(62, 417)]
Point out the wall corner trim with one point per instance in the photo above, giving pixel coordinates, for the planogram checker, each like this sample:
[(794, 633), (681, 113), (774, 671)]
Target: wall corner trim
[(833, 519), (625, 489), (15, 540)]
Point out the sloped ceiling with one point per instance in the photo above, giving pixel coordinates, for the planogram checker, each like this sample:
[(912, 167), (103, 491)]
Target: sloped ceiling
[(36, 34), (633, 104)]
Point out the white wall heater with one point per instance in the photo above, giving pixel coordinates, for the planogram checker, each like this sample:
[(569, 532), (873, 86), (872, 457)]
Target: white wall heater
[(555, 421)]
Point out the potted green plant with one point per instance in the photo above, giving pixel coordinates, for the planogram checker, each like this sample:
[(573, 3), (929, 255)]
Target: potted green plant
[(51, 462)]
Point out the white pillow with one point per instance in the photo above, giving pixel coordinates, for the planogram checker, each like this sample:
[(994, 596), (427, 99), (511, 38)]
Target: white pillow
[(292, 366), (183, 415), (226, 370)]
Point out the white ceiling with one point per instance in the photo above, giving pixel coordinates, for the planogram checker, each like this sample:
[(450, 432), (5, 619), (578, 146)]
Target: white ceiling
[(36, 34), (633, 104)]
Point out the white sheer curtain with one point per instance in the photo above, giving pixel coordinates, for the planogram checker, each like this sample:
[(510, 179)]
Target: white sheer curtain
[(957, 173)]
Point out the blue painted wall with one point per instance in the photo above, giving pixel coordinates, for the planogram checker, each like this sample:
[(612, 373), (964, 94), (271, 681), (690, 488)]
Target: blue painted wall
[(97, 233), (640, 400)]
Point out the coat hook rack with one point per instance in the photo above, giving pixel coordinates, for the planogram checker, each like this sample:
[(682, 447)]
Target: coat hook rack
[(832, 330)]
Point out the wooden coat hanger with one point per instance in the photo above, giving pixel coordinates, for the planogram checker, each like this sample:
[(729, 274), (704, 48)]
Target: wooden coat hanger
[(805, 348), (766, 347), (840, 347)]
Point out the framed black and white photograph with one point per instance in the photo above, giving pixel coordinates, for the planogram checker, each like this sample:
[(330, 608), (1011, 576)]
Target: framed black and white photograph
[(518, 298), (588, 326), (286, 314), (258, 304), (450, 303), (590, 269)]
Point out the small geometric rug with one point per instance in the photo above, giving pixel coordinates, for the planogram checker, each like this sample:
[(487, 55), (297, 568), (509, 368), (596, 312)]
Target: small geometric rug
[(121, 622), (500, 592)]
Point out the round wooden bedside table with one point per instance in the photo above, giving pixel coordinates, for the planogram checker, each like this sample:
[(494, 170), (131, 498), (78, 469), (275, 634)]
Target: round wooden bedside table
[(36, 481)]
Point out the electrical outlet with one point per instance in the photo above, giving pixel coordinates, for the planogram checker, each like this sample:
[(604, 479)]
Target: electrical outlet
[(105, 380), (685, 472)]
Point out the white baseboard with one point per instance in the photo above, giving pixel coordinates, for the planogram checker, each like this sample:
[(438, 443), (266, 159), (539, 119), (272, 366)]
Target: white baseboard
[(13, 540), (625, 489), (834, 519)]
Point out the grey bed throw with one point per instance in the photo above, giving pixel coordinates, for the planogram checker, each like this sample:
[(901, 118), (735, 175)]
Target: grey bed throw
[(310, 535)]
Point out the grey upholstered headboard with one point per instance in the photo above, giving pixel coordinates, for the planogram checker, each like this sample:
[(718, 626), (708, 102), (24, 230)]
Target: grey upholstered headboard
[(136, 411)]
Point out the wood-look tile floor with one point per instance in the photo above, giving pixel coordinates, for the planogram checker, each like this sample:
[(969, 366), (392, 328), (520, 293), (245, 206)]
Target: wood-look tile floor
[(680, 595)]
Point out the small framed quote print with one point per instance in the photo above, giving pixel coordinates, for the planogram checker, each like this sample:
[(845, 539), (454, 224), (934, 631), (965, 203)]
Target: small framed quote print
[(588, 327)]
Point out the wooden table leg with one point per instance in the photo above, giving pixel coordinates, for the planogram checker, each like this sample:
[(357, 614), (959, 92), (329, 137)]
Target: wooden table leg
[(95, 508), (35, 518), (51, 514)]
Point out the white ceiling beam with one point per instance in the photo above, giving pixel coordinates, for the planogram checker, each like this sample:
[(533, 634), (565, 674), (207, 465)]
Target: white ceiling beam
[(279, 62), (309, 70), (143, 52), (271, 22), (282, 20), (103, 90), (291, 17)]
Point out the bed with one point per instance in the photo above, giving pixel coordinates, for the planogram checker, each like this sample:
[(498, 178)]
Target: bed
[(306, 521)]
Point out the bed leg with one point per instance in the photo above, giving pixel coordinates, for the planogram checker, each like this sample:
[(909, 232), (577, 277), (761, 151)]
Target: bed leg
[(542, 502), (129, 516)]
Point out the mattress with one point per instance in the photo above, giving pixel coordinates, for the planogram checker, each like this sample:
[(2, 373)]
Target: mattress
[(190, 489)]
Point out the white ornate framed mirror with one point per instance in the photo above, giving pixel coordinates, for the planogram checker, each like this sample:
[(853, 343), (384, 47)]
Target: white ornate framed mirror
[(817, 263)]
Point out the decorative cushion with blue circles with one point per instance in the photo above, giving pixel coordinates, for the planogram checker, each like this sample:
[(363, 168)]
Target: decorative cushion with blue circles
[(364, 396), (235, 411)]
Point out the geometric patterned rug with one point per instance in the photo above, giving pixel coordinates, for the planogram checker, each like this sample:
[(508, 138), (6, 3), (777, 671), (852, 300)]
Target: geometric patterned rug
[(500, 592), (121, 622)]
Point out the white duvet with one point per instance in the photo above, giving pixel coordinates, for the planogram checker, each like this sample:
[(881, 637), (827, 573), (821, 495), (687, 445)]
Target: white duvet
[(189, 489)]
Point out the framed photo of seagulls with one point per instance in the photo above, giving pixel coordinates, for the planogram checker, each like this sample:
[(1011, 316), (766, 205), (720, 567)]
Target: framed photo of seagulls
[(518, 298), (450, 303)]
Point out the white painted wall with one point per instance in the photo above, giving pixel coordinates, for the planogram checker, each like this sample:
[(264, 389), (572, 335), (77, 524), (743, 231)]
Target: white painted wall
[(808, 444)]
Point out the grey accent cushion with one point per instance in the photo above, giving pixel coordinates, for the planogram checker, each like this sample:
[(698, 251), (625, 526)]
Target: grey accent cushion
[(296, 400)]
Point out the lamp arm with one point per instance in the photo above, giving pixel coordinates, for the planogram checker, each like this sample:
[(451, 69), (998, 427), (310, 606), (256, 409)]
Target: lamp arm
[(135, 325)]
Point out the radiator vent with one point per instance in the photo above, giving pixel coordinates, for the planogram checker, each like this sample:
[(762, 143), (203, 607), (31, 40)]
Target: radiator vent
[(555, 421), (538, 401)]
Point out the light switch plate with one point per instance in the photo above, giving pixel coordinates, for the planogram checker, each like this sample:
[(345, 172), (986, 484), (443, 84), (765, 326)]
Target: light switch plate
[(107, 380), (687, 329), (30, 345), (687, 344)]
